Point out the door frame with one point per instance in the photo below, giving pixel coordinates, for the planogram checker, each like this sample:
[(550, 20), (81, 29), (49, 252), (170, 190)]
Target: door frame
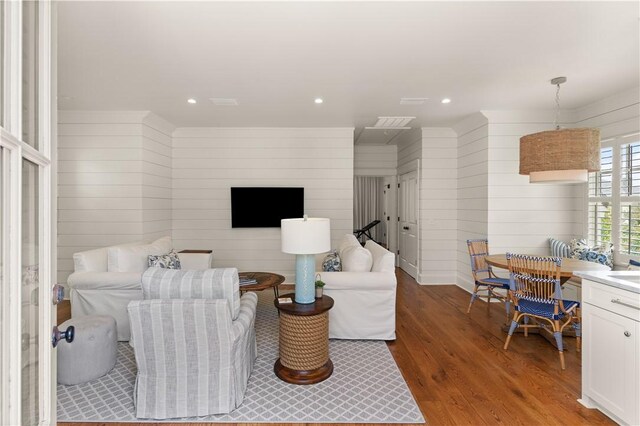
[(14, 151), (411, 166)]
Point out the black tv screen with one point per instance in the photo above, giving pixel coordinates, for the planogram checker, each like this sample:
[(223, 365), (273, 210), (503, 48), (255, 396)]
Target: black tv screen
[(265, 207)]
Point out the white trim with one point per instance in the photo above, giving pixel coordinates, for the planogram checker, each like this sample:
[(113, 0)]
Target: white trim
[(46, 388), (15, 151)]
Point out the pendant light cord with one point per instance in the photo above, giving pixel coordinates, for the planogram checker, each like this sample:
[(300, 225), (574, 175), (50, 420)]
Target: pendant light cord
[(556, 122)]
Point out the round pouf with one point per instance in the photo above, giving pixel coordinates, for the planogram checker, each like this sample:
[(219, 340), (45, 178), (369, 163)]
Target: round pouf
[(92, 353)]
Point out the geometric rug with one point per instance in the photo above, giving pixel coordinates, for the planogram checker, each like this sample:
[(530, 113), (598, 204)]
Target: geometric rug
[(365, 387)]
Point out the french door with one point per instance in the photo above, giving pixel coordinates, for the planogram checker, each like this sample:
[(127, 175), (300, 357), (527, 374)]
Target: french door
[(27, 213)]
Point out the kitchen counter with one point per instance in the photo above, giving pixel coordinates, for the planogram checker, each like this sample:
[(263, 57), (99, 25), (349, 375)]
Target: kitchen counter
[(624, 280)]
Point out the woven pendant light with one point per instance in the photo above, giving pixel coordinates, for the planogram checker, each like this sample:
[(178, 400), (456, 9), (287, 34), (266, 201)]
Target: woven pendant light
[(561, 155)]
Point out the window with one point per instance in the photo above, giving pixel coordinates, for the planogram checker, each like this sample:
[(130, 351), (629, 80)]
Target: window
[(613, 212)]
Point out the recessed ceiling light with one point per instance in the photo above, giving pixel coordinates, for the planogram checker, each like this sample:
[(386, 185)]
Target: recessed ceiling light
[(446, 101), (318, 100), (192, 101)]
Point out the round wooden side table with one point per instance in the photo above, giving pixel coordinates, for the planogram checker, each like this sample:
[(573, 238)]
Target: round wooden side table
[(304, 341), (264, 280)]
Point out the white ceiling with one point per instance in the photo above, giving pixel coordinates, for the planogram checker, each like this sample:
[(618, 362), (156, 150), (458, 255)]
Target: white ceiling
[(275, 58)]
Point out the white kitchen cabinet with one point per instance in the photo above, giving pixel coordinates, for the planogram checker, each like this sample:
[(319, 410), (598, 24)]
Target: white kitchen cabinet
[(611, 351)]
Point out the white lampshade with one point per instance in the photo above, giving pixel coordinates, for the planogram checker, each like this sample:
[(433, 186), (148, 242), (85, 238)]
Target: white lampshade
[(306, 235), (559, 176)]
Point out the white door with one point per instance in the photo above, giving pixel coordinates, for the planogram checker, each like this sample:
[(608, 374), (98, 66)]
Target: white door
[(408, 223), (27, 214)]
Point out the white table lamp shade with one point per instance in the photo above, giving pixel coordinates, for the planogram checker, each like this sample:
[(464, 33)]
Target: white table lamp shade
[(306, 236)]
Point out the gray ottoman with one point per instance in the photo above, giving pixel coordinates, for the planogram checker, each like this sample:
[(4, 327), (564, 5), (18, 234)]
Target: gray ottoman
[(92, 353)]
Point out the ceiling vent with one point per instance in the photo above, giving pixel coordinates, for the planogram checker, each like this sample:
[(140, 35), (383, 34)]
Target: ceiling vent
[(412, 101), (389, 123), (224, 101)]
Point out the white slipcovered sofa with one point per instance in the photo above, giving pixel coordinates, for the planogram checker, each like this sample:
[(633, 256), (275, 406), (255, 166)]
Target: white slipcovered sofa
[(364, 292), (106, 279)]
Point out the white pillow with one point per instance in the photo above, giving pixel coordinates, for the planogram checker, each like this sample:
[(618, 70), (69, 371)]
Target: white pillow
[(160, 246), (383, 259), (349, 240), (128, 259), (356, 259)]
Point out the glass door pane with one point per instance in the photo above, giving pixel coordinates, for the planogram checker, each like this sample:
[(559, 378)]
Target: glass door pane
[(29, 292), (30, 73)]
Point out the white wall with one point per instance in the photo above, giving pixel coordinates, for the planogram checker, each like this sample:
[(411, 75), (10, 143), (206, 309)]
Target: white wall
[(522, 216), (438, 206), (207, 162), (99, 182), (375, 160), (156, 177), (472, 177)]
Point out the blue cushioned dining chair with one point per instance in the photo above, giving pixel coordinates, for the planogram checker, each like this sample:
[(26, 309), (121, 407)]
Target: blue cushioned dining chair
[(536, 293), (484, 278)]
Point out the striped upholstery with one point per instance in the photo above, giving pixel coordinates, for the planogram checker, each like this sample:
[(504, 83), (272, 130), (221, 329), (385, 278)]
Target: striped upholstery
[(222, 283), (559, 248), (194, 358)]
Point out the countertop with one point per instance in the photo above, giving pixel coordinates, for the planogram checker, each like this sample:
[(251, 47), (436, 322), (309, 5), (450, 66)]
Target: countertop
[(625, 280)]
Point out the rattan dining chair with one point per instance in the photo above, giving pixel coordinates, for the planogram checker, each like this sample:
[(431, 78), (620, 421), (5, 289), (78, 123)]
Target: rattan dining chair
[(536, 293), (484, 278)]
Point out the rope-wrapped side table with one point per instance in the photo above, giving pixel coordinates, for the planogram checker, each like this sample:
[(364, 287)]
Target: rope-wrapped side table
[(304, 341)]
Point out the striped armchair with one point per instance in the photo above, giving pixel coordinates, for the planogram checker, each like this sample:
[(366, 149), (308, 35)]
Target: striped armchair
[(195, 343)]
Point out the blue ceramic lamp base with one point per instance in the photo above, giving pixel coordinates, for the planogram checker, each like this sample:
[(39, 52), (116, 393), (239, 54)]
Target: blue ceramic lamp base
[(305, 278)]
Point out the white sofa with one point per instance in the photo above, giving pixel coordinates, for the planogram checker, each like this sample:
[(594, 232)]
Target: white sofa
[(364, 293), (106, 279)]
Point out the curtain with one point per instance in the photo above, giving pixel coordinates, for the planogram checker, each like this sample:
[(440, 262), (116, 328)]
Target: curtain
[(368, 205)]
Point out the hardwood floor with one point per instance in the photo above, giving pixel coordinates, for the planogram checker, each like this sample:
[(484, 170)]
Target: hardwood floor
[(459, 374)]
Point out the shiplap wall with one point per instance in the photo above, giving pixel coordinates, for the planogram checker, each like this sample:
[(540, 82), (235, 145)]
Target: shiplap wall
[(522, 216), (207, 162), (99, 182), (409, 147), (375, 160), (438, 206), (472, 188), (156, 177)]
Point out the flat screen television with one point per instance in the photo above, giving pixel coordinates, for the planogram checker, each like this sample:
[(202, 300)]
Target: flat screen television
[(261, 207)]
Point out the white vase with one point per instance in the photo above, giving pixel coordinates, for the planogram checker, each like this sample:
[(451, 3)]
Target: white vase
[(318, 292)]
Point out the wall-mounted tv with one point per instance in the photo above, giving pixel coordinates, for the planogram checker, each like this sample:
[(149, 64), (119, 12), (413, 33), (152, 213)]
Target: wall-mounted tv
[(260, 207)]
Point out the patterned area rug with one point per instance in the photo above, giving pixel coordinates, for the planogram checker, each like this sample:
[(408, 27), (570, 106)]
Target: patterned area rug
[(366, 387)]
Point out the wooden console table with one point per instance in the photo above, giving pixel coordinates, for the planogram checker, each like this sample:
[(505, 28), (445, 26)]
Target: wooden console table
[(304, 341)]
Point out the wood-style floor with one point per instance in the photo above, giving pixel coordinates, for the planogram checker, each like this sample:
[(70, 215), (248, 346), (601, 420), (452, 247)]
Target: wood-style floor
[(459, 374)]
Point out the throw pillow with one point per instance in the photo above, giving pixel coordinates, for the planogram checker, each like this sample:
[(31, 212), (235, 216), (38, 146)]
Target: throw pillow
[(634, 265), (166, 261), (581, 250), (127, 258), (348, 240), (331, 262), (559, 248), (161, 246), (356, 259)]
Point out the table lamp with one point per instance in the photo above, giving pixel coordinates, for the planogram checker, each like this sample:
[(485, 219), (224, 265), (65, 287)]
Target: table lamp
[(306, 237)]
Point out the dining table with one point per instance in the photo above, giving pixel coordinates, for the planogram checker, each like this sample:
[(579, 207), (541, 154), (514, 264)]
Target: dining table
[(568, 268)]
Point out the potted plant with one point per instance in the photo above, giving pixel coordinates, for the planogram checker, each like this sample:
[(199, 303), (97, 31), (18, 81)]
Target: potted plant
[(319, 287)]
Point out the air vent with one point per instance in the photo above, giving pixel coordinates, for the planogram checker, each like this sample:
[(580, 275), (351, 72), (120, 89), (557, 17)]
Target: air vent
[(389, 123), (412, 101), (224, 101)]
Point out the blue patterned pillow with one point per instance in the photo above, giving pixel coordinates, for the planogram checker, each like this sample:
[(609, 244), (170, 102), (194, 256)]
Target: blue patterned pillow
[(167, 261), (332, 262), (559, 248), (581, 250)]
